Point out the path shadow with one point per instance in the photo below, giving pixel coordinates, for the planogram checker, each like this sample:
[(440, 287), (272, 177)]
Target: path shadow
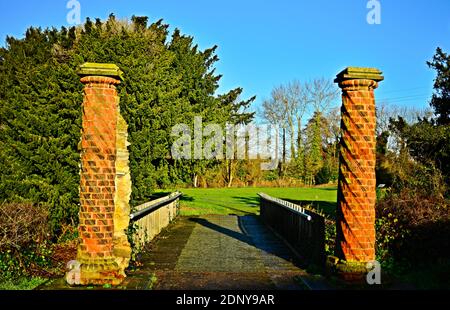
[(225, 205), (223, 230), (239, 211), (261, 237)]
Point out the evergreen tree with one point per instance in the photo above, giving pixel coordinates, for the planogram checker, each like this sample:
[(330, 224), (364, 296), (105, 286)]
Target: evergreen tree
[(428, 139), (314, 152), (166, 82), (441, 98), (40, 115)]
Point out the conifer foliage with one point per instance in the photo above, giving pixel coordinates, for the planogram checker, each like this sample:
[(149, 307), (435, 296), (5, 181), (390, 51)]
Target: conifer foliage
[(168, 80)]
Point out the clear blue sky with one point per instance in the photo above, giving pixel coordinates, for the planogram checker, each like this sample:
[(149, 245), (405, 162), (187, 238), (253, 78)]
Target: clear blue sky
[(265, 43)]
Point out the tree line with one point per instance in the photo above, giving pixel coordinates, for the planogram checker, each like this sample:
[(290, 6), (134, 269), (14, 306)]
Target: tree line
[(309, 122)]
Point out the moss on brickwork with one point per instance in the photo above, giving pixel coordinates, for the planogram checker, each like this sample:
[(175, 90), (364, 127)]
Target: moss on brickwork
[(100, 69), (351, 73)]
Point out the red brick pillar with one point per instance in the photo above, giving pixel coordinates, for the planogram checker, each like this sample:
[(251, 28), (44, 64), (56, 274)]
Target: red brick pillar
[(355, 240), (95, 258)]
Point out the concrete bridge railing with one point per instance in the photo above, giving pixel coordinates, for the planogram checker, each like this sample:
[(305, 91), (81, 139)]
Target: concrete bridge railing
[(152, 217), (303, 230)]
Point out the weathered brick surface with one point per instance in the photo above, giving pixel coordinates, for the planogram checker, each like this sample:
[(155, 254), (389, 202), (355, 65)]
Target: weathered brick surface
[(122, 249), (98, 232), (98, 162), (356, 191)]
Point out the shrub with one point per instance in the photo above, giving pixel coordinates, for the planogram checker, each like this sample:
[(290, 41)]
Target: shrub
[(22, 225), (330, 236), (26, 248), (413, 228), (327, 174), (24, 235), (412, 215)]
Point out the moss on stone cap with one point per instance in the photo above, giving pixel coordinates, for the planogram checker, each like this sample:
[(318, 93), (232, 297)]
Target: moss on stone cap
[(100, 69), (353, 73)]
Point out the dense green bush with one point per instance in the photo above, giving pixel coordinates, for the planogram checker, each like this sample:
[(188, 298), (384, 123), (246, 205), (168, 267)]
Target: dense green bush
[(413, 217), (413, 229), (327, 174)]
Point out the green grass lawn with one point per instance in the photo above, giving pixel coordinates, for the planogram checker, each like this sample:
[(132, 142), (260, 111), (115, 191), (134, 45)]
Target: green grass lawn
[(245, 201)]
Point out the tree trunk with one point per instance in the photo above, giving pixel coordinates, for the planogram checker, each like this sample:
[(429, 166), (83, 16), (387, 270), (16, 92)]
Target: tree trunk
[(284, 152), (195, 180), (229, 165), (299, 137), (291, 126)]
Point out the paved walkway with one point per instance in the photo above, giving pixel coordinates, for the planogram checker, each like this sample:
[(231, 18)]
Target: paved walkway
[(214, 252), (219, 252)]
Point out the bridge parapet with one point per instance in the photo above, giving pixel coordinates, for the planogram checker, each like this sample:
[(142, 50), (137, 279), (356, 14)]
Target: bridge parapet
[(302, 229), (153, 216)]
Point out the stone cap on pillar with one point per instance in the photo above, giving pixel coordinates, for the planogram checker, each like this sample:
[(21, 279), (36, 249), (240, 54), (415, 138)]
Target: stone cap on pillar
[(357, 73), (100, 69)]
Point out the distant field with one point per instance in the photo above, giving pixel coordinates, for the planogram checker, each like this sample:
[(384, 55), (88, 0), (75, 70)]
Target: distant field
[(244, 201)]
